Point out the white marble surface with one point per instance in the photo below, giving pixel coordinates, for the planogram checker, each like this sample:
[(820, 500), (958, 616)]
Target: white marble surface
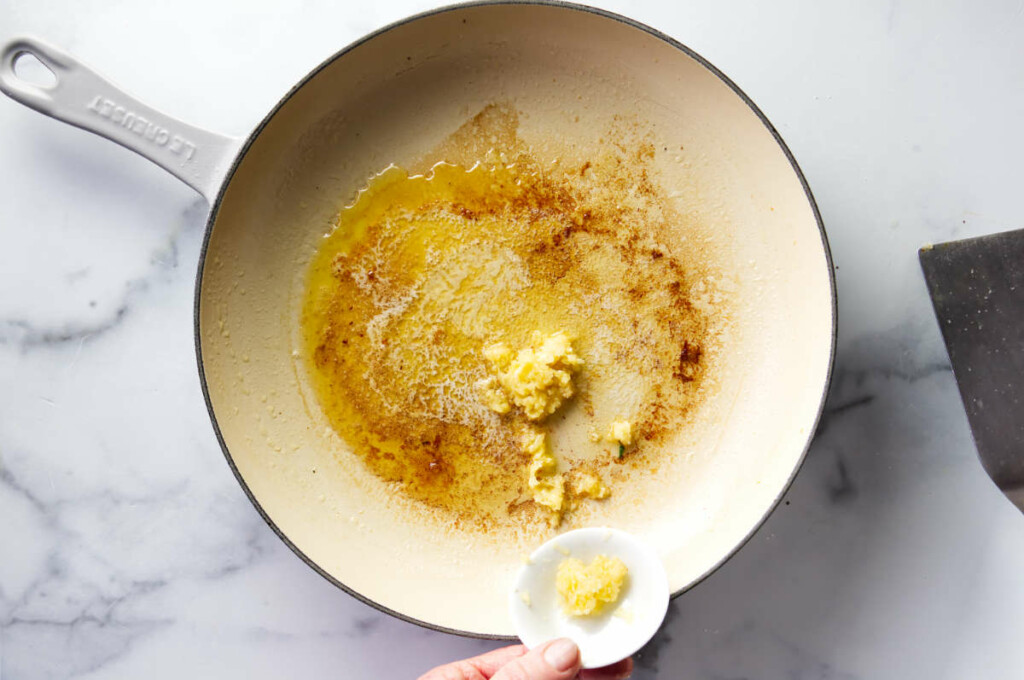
[(127, 549)]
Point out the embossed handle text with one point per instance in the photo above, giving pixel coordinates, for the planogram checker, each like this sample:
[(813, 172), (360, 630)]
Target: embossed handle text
[(142, 127)]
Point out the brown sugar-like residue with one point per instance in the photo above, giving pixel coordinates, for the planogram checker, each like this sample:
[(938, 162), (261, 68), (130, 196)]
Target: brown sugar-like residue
[(395, 369)]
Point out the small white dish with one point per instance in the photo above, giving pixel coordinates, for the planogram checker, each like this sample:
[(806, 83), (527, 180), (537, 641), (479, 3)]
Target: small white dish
[(611, 635)]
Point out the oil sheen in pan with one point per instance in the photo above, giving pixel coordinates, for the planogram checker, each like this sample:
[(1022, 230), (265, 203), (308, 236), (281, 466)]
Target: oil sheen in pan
[(422, 271)]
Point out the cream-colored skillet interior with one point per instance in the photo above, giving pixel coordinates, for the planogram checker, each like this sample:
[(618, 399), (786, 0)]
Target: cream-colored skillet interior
[(568, 72)]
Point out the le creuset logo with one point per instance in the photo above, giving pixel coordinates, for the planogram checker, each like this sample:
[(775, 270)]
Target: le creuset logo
[(144, 128)]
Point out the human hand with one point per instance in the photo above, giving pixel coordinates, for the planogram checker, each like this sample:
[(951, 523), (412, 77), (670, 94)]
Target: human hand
[(555, 660)]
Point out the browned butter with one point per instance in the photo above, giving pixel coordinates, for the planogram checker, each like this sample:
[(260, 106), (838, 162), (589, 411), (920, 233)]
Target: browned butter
[(421, 272)]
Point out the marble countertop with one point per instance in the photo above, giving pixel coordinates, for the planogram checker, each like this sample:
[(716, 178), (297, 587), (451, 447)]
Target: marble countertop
[(128, 550)]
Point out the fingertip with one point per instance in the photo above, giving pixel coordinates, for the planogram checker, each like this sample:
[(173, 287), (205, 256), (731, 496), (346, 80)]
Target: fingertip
[(562, 654), (554, 660)]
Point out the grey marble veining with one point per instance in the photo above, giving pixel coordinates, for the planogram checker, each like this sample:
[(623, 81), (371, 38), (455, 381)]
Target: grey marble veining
[(128, 550)]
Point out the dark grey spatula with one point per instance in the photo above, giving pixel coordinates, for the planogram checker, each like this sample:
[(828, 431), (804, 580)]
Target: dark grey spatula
[(977, 289)]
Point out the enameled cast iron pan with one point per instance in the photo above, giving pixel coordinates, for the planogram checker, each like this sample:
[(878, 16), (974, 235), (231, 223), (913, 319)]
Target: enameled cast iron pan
[(394, 96)]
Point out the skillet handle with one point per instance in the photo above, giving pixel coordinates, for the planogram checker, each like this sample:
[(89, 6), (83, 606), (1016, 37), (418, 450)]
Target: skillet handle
[(82, 98)]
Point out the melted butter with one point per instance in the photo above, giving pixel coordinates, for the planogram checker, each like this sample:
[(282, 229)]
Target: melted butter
[(423, 272)]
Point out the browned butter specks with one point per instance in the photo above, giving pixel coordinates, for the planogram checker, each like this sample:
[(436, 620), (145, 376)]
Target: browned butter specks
[(423, 271)]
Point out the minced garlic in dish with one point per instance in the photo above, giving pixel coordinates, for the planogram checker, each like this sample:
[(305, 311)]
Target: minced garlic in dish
[(585, 589)]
